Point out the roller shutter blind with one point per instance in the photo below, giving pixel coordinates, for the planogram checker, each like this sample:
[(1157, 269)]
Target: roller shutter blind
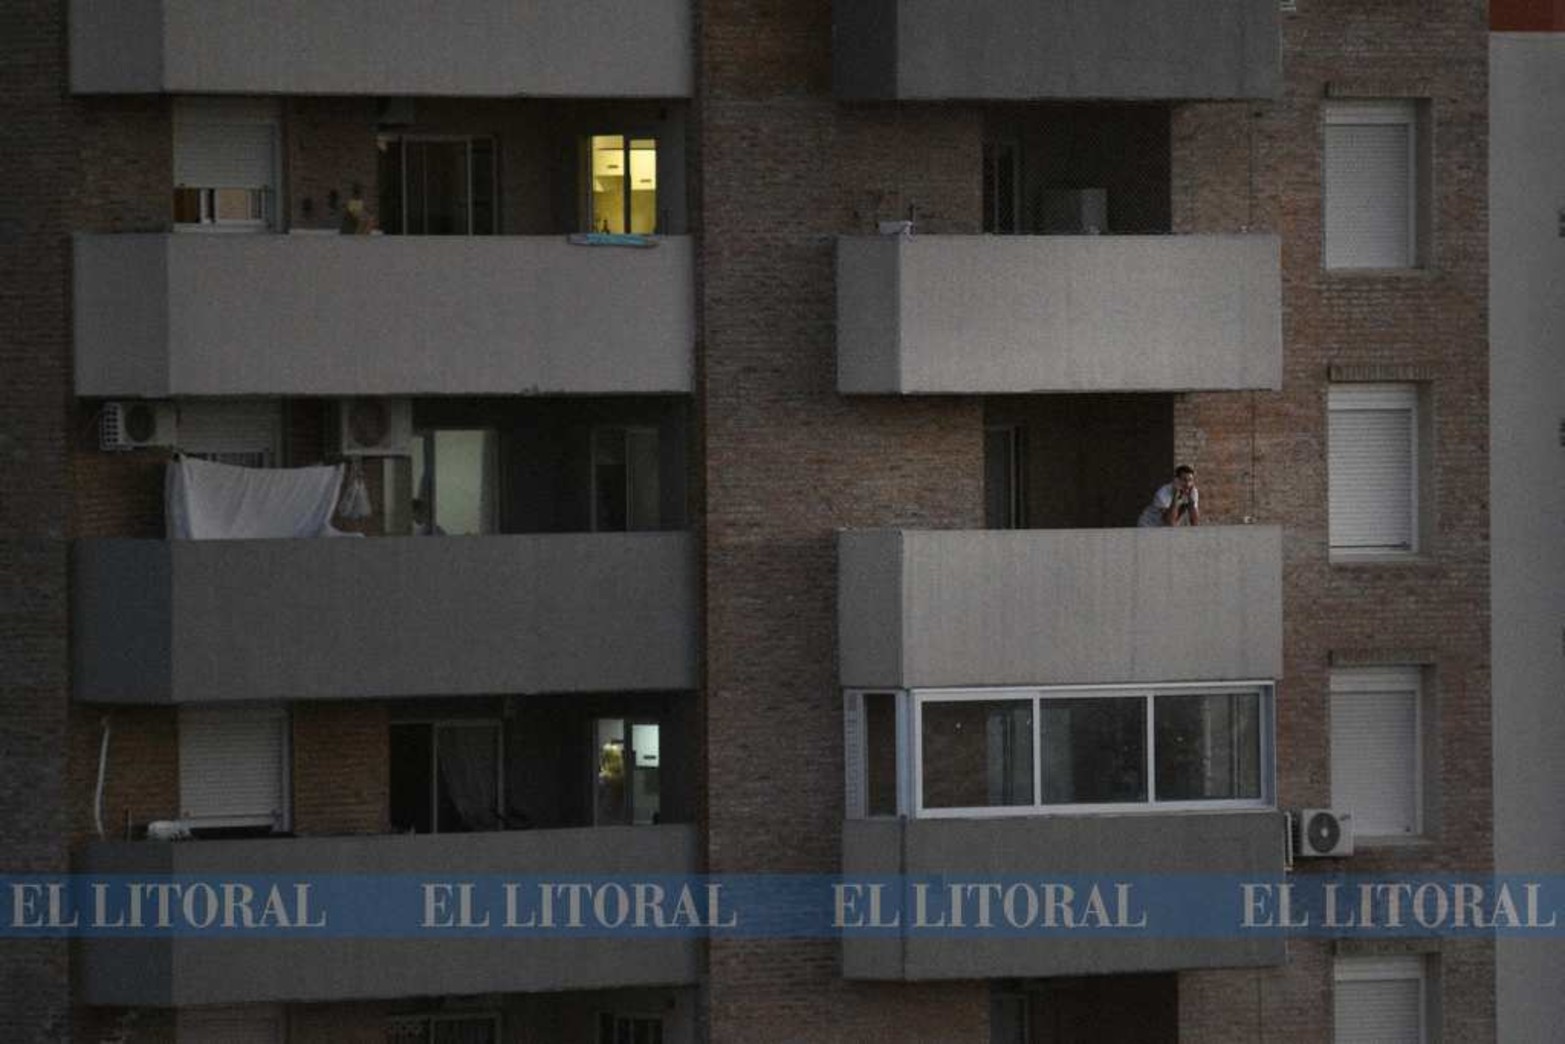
[(1369, 186), (232, 766), (231, 432), (1375, 763), (230, 1026), (1372, 467), (226, 144), (1379, 1000)]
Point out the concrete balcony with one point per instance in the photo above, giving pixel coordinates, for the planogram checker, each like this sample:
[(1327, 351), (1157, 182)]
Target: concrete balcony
[(191, 314), (175, 970), (159, 622), (1247, 845), (543, 48), (1012, 314), (998, 49), (1070, 606)]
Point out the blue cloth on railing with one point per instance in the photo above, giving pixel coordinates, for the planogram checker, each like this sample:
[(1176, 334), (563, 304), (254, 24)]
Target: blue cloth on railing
[(613, 239)]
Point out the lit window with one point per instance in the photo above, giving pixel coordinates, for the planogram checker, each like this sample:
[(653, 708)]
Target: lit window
[(1376, 760), (623, 187), (1372, 185), (1372, 464), (1381, 1000)]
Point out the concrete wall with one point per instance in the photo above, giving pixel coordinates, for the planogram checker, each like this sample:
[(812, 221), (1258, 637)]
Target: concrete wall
[(163, 972), (204, 621), (1527, 484), (632, 48), (996, 49), (162, 315), (1036, 848), (1004, 314), (925, 608)]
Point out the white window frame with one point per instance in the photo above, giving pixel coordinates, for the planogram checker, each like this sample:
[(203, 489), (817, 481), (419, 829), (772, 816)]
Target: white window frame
[(1384, 681), (428, 1020), (1345, 398), (280, 819), (1380, 112), (1397, 968), (219, 112), (910, 768), (631, 1017), (209, 1025)]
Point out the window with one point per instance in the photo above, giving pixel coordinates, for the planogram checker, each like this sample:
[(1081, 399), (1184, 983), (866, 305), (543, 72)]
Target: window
[(1005, 752), (433, 186), (244, 433), (446, 776), (240, 1024), (233, 764), (625, 487), (622, 194), (225, 164), (445, 1028), (1002, 176), (1376, 756), (1381, 1000), (629, 1029), (458, 474), (627, 788), (1004, 477), (1373, 465), (1372, 185)]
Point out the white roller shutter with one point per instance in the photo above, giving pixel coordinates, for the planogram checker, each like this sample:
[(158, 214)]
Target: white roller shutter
[(1379, 1000), (1370, 192), (237, 1025), (219, 143), (1372, 466), (1375, 763), (241, 432), (232, 766)]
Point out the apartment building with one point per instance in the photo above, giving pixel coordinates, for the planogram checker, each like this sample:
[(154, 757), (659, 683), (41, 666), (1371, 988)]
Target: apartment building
[(785, 381)]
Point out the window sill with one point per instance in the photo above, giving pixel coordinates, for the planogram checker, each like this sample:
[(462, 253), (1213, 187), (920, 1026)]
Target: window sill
[(1373, 842), (1415, 272), (1405, 559)]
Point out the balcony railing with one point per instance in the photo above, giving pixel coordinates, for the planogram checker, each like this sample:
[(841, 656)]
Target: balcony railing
[(208, 621), (1007, 314), (190, 314), (1233, 846), (999, 49), (490, 48), (234, 969), (1059, 607)]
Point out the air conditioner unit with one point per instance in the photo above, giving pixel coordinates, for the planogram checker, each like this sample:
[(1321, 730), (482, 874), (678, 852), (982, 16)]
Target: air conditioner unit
[(134, 425), (1322, 833), (372, 427)]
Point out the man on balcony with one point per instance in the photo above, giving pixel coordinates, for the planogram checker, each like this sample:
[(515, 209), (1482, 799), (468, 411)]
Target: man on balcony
[(1178, 503)]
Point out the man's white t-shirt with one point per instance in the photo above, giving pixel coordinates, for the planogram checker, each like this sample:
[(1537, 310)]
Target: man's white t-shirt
[(1152, 514)]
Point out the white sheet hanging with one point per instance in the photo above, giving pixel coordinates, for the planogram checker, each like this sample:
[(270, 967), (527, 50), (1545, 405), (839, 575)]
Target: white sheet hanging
[(207, 501)]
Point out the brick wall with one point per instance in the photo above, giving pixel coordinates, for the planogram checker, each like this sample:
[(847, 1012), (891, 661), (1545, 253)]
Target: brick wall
[(784, 170), (1263, 454), (38, 176), (341, 768), (142, 781)]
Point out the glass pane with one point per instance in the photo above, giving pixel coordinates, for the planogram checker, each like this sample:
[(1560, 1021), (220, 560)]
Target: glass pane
[(977, 754), (609, 792), (608, 183), (467, 791), (610, 512), (485, 212), (645, 795), (1002, 473), (1094, 750), (390, 170), (187, 206), (643, 186), (436, 179), (463, 482), (465, 1031), (641, 454), (880, 753), (1208, 746), (412, 760), (234, 204)]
